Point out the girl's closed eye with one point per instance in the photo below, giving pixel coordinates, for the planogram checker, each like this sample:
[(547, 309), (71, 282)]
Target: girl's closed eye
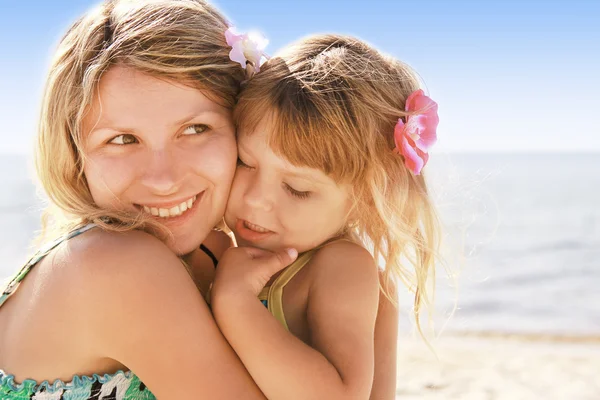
[(242, 164), (296, 193)]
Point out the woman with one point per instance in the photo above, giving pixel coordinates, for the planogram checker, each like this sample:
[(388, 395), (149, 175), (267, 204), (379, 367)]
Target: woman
[(135, 118)]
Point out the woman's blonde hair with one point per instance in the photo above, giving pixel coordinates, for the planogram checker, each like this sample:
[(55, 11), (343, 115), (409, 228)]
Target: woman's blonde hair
[(180, 40), (331, 102)]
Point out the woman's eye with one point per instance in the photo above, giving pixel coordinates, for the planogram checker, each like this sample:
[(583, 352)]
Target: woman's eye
[(242, 164), (124, 139), (195, 129), (296, 193)]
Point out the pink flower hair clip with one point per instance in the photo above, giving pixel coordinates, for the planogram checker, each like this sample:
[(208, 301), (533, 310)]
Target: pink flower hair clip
[(415, 137), (246, 49)]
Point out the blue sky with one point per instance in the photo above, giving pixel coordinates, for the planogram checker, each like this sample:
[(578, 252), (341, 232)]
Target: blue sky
[(508, 75)]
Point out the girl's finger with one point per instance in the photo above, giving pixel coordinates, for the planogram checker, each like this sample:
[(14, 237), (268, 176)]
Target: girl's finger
[(255, 252), (279, 260)]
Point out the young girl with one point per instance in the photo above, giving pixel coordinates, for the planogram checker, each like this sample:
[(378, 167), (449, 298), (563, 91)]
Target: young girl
[(332, 137)]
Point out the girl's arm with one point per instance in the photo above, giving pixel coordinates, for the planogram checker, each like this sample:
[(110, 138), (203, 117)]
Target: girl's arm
[(337, 363), (138, 305), (386, 344)]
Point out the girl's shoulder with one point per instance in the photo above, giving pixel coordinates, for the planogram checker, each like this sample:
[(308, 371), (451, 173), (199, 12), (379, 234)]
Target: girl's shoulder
[(344, 249), (343, 261)]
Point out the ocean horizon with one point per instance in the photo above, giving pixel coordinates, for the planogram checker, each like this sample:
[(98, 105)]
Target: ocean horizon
[(522, 239)]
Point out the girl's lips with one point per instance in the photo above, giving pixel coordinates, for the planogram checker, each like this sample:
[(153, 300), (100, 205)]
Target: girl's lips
[(248, 234)]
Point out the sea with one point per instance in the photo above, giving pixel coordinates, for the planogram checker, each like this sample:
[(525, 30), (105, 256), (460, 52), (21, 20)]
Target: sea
[(521, 232)]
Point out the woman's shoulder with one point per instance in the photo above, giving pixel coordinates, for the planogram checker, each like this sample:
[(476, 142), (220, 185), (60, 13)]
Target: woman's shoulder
[(101, 252), (91, 288), (95, 268), (131, 299)]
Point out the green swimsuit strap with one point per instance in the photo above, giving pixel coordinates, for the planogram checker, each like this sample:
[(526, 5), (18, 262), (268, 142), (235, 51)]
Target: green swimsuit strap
[(275, 291)]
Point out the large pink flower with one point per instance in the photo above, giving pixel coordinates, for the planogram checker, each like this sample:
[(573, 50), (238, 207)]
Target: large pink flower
[(415, 137), (247, 47)]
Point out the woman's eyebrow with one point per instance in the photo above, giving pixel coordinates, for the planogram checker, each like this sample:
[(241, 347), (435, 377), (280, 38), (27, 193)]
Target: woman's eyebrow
[(109, 124), (195, 115)]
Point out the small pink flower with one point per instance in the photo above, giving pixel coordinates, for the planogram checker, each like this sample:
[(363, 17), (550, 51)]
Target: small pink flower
[(246, 48), (415, 138)]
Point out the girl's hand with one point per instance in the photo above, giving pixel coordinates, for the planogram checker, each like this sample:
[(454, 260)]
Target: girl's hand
[(246, 270)]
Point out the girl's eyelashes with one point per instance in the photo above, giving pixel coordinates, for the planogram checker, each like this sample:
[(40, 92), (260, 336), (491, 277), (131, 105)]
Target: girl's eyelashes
[(296, 193), (242, 164), (195, 129), (123, 139)]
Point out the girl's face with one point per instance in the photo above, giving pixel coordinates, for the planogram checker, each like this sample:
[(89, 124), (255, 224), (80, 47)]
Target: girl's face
[(163, 148), (274, 204)]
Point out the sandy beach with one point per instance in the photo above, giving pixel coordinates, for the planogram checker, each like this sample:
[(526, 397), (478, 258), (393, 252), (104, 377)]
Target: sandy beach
[(500, 367)]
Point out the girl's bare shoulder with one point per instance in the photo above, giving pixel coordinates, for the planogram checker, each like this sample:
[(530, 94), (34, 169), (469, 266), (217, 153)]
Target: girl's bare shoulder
[(343, 260)]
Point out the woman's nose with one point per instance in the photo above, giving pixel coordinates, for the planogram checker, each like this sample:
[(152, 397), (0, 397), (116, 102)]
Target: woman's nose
[(162, 173)]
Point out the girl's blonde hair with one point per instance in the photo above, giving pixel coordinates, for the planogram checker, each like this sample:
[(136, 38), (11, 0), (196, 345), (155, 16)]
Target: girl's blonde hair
[(331, 102), (180, 40)]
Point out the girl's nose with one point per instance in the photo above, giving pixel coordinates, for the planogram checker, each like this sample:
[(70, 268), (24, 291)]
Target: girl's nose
[(260, 194)]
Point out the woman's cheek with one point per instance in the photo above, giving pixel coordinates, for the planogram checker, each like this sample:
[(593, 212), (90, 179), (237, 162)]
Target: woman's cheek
[(218, 159), (108, 178)]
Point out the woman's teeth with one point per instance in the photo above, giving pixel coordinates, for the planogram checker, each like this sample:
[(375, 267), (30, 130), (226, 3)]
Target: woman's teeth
[(171, 212), (255, 228)]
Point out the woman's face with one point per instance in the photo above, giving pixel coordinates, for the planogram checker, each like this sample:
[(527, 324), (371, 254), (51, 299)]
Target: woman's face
[(163, 148)]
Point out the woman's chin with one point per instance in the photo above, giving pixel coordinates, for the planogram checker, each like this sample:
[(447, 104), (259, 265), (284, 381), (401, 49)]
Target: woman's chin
[(180, 248), (182, 243)]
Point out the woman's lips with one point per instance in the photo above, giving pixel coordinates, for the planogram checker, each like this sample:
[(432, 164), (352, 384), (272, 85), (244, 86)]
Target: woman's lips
[(176, 214), (171, 211)]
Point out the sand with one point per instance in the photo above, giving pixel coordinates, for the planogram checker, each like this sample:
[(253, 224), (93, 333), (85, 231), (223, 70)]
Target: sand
[(495, 367)]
